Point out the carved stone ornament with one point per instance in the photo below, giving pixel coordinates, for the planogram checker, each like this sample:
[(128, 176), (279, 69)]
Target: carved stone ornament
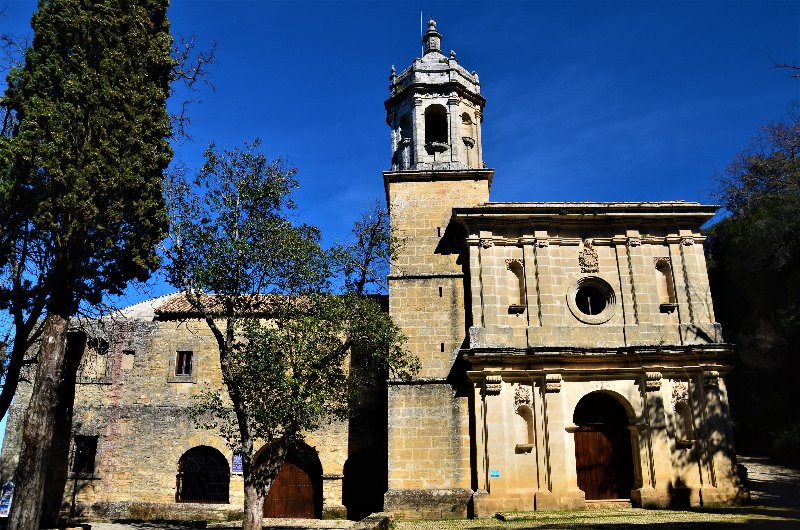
[(711, 379), (486, 243), (680, 392), (687, 241), (588, 258), (634, 242), (656, 261), (653, 381), (513, 260), (493, 385), (522, 396), (543, 243), (552, 383)]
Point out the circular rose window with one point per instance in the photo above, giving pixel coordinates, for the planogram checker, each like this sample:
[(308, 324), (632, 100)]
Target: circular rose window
[(592, 300)]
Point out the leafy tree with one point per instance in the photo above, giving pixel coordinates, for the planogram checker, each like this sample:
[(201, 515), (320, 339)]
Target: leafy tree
[(82, 183), (261, 283), (362, 264), (754, 258), (21, 302)]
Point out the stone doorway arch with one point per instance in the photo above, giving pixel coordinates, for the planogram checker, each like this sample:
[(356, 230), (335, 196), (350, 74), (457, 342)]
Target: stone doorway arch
[(203, 476), (603, 452), (297, 490)]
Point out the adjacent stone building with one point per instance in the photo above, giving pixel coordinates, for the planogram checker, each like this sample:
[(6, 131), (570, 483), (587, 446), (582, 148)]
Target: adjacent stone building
[(569, 351), (133, 452)]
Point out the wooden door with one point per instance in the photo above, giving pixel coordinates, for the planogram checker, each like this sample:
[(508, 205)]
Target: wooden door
[(603, 461), (291, 495)]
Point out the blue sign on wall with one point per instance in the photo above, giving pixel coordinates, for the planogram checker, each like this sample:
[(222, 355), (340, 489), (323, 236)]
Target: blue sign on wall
[(494, 473), (236, 463), (5, 498)]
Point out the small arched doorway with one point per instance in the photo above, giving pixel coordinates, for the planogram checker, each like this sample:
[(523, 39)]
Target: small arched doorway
[(203, 476), (365, 482), (297, 490), (603, 455)]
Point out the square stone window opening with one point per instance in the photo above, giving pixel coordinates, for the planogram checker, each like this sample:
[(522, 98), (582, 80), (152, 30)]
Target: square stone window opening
[(84, 455), (183, 363)]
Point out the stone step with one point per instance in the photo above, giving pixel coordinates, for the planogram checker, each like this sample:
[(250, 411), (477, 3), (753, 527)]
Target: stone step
[(608, 503)]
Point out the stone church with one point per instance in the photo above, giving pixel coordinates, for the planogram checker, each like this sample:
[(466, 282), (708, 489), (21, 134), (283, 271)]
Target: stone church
[(570, 357)]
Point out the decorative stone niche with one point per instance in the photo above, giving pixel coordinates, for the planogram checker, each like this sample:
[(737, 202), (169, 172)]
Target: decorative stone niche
[(524, 431)]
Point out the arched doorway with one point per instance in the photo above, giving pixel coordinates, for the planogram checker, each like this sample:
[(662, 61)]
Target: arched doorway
[(603, 455), (297, 490), (203, 476), (365, 482)]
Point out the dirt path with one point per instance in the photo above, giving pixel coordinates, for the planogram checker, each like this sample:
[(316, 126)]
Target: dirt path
[(771, 484)]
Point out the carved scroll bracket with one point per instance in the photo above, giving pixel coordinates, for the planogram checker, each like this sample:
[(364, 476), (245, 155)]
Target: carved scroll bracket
[(552, 383), (653, 381), (493, 384), (710, 379)]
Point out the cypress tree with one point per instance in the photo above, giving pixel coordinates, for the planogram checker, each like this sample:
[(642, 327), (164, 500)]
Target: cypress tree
[(88, 154)]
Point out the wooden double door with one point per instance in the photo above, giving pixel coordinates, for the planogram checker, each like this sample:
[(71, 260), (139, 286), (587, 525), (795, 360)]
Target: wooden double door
[(603, 455), (604, 462), (293, 494)]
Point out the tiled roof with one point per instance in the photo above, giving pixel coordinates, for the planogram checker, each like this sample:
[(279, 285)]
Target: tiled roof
[(146, 309), (180, 304)]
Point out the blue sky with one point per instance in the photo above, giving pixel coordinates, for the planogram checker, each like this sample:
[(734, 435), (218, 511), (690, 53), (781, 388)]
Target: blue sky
[(600, 101)]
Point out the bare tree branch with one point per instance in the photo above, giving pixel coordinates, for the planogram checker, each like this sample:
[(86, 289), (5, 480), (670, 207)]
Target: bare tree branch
[(191, 71), (787, 66)]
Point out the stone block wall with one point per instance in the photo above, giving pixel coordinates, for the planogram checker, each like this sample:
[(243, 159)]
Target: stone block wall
[(526, 454), (130, 399), (429, 466), (429, 452), (524, 279)]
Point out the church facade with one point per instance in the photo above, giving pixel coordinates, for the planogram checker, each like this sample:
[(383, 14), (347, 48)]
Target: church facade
[(569, 351)]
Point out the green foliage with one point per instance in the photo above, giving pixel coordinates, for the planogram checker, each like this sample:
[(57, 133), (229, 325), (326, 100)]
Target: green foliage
[(363, 263), (294, 374), (84, 143), (293, 355), (755, 252), (786, 445), (84, 165), (754, 267), (231, 231)]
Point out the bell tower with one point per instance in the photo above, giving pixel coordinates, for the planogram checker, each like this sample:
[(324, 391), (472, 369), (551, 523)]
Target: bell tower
[(434, 111)]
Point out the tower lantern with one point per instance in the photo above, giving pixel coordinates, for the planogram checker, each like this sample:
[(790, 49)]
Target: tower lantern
[(435, 110)]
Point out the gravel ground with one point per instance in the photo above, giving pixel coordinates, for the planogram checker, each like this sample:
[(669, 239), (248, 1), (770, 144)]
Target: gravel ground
[(772, 485)]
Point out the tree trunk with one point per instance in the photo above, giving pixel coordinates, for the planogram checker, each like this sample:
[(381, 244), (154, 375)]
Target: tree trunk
[(253, 507), (57, 470), (37, 434)]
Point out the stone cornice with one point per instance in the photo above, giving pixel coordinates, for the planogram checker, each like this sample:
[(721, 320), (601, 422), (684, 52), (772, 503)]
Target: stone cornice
[(674, 212), (666, 359), (438, 175)]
